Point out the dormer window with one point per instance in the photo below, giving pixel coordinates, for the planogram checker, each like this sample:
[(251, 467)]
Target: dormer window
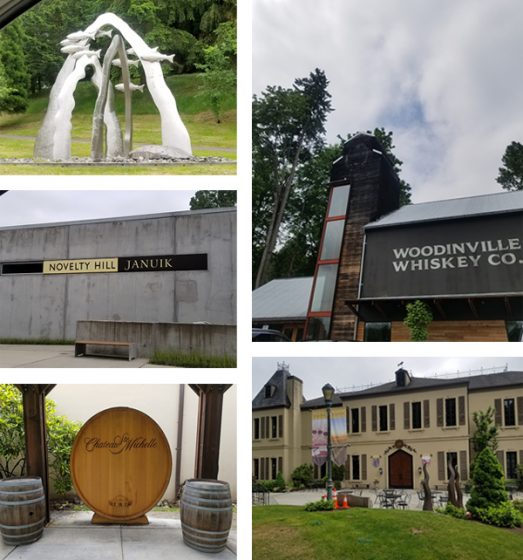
[(269, 390)]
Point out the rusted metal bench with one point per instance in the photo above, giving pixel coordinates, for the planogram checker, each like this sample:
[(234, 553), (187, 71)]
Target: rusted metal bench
[(80, 347)]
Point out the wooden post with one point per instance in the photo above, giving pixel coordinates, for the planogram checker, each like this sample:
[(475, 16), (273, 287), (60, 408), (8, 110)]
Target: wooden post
[(35, 435), (209, 429)]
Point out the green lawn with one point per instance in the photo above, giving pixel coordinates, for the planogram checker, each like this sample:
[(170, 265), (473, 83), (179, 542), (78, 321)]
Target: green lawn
[(288, 532), (209, 138)]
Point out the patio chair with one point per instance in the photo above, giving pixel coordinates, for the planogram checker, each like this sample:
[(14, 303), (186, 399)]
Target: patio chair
[(404, 500)]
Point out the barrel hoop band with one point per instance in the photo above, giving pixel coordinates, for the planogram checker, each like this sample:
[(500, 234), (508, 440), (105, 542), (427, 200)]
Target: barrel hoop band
[(10, 538), (205, 500), (202, 531), (24, 503), (21, 492), (200, 508), (41, 522)]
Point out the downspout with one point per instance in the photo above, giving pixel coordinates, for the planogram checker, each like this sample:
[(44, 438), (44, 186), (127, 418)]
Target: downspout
[(179, 438)]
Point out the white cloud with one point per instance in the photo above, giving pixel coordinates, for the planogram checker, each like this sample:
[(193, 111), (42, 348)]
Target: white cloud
[(457, 63)]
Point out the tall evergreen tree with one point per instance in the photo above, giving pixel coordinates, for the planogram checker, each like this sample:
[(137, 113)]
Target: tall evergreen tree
[(511, 173), (13, 60), (288, 128)]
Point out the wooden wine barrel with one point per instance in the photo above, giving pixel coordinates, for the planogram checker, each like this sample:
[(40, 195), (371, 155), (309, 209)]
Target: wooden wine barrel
[(121, 464), (206, 514), (22, 510)]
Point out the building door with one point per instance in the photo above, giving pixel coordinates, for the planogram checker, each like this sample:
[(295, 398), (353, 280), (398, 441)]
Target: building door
[(400, 470)]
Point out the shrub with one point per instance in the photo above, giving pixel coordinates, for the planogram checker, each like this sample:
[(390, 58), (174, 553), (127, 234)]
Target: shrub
[(338, 473), (488, 486), (503, 515), (458, 513), (279, 483), (302, 475), (417, 320), (520, 477), (518, 504), (320, 505)]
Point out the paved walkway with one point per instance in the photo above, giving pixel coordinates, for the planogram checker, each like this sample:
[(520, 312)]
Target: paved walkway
[(70, 536), (44, 356)]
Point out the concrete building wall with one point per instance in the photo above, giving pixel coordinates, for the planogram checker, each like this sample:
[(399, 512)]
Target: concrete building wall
[(48, 306), (161, 403)]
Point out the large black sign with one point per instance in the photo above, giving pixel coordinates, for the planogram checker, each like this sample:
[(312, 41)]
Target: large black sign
[(482, 255), (165, 263)]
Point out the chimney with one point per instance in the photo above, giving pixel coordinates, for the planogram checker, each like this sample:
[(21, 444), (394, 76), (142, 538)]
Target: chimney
[(402, 378)]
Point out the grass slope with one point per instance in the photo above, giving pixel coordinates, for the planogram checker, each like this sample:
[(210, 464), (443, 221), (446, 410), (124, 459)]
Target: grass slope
[(288, 532), (17, 132)]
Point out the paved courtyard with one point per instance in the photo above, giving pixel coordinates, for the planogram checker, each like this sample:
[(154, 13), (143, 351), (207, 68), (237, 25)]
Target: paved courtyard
[(70, 536), (60, 356)]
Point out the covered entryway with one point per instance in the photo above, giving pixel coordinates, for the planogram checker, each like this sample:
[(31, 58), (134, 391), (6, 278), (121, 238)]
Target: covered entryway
[(400, 470)]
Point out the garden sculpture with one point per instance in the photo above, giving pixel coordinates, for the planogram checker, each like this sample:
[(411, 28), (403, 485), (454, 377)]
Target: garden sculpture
[(54, 139)]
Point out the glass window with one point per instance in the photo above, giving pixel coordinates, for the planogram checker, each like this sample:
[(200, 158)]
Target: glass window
[(256, 469), (512, 461), (324, 288), (416, 415), (274, 468), (332, 240), (509, 407), (355, 413), (339, 200), (450, 412), (377, 332), (274, 426), (256, 428), (514, 331), (319, 328), (384, 424), (355, 467)]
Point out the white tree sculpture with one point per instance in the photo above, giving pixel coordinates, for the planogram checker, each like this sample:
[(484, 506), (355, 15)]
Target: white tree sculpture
[(54, 139)]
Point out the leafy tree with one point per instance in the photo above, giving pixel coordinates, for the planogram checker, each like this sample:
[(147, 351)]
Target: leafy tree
[(486, 432), (488, 484), (61, 433), (13, 60), (511, 174), (417, 320), (288, 128), (219, 78), (213, 199)]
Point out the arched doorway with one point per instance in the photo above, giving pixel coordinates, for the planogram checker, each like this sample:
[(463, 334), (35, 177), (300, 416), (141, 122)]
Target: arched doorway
[(400, 470)]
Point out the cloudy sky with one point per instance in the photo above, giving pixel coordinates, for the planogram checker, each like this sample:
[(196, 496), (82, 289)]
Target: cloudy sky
[(358, 373), (446, 76), (36, 207)]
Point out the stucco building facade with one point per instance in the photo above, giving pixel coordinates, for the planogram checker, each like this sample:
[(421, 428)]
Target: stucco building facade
[(391, 427)]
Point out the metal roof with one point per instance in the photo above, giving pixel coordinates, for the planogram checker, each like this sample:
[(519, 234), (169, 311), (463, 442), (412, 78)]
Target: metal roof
[(285, 298), (278, 392), (496, 203), (475, 383)]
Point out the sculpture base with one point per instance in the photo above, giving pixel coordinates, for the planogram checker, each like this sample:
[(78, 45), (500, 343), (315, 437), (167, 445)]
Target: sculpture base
[(153, 151), (98, 519)]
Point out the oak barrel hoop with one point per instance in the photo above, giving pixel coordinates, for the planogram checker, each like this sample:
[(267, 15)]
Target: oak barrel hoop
[(121, 463), (206, 514), (22, 510)]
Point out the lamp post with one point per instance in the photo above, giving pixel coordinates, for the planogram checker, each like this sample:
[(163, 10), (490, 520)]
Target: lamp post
[(328, 393)]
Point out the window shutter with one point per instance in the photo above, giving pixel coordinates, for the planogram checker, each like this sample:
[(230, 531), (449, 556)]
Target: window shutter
[(347, 468), (497, 408), (463, 470), (406, 416), (426, 413), (441, 465), (280, 465), (392, 419), (268, 426), (461, 410), (363, 419), (364, 467), (347, 419), (280, 426), (262, 424), (439, 414), (499, 455), (520, 410), (374, 414)]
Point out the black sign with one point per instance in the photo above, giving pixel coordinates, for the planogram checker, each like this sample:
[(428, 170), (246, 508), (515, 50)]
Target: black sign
[(482, 255), (162, 263)]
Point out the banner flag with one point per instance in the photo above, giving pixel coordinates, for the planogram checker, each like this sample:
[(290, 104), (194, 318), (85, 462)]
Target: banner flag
[(339, 439)]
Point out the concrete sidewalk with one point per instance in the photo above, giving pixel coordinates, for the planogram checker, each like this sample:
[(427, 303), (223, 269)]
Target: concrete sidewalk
[(70, 536), (60, 356)]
